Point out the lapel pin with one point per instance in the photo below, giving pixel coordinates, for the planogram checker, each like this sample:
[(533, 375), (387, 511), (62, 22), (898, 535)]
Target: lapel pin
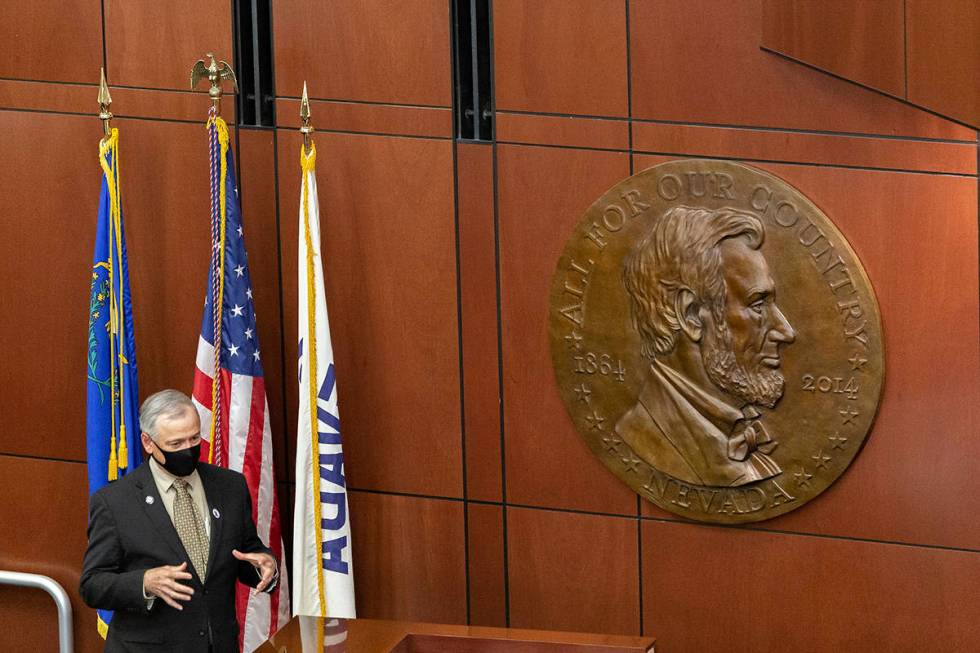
[(149, 500), (217, 515)]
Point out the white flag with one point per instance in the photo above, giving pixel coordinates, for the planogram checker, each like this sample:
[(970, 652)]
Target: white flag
[(322, 569)]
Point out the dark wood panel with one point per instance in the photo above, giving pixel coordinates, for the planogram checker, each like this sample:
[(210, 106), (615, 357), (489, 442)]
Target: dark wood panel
[(369, 118), (389, 258), (542, 194), (45, 513), (560, 56), (573, 572), (46, 96), (488, 605), (803, 593), (155, 44), (960, 158), (700, 61), (126, 102), (46, 242), (257, 190), (168, 104), (478, 321), (373, 50), (944, 57), (560, 130), (859, 41), (53, 41), (409, 558), (286, 495)]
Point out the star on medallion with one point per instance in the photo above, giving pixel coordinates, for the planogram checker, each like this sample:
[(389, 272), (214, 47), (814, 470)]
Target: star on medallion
[(582, 393), (837, 442), (233, 350), (595, 420), (857, 363), (612, 443), (248, 333), (848, 415), (802, 478), (574, 340), (237, 310), (631, 462), (820, 459)]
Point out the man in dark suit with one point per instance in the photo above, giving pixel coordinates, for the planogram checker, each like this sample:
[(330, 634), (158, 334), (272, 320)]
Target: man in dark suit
[(167, 542)]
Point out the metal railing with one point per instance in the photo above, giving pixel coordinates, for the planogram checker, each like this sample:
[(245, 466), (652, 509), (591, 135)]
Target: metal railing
[(57, 592)]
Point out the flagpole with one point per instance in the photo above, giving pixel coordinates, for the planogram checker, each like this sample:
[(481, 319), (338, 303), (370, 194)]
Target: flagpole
[(308, 160), (240, 436), (215, 72)]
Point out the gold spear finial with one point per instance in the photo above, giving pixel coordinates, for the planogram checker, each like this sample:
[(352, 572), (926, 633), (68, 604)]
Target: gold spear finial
[(304, 113), (214, 72), (104, 101)]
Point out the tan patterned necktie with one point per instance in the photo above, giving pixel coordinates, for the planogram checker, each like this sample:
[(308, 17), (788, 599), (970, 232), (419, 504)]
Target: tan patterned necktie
[(190, 528)]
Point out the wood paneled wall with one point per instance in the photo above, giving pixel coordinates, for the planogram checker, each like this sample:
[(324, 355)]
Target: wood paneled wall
[(922, 51), (473, 499)]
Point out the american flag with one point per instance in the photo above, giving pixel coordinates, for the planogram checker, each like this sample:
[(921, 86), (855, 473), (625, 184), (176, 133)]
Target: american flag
[(237, 435)]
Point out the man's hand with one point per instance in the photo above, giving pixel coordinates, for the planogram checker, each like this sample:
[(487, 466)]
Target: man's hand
[(162, 582), (264, 563)]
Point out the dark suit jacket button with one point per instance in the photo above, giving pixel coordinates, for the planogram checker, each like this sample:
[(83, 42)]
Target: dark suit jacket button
[(205, 591), (201, 633)]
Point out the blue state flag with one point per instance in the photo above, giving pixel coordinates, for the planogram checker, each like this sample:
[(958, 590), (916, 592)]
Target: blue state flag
[(112, 415)]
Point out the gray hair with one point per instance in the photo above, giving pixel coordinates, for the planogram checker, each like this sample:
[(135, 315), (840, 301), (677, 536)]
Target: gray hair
[(680, 251), (168, 404)]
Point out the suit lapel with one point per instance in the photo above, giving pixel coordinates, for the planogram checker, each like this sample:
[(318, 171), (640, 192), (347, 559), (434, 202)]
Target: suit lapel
[(156, 511), (215, 509)]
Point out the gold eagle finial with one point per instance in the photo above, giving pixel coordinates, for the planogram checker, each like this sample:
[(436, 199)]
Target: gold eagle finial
[(214, 72)]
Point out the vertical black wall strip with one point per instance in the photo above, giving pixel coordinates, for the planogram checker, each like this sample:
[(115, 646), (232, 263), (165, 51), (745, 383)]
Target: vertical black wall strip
[(473, 65), (253, 41)]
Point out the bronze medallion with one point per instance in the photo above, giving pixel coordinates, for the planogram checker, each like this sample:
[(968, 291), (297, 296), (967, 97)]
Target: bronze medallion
[(716, 340)]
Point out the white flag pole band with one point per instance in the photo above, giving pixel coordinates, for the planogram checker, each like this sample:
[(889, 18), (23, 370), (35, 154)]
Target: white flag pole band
[(322, 566)]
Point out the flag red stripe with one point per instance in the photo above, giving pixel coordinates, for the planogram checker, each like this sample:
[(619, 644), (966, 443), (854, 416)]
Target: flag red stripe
[(202, 388), (252, 464)]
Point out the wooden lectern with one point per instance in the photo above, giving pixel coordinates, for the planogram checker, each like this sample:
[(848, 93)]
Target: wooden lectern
[(314, 635)]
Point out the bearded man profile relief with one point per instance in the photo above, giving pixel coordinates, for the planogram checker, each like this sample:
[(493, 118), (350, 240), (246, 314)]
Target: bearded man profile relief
[(704, 304)]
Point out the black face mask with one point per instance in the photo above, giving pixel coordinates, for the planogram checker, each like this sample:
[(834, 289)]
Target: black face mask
[(182, 462)]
